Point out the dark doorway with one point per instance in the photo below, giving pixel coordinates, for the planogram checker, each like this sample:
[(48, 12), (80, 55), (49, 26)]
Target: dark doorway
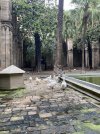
[(77, 57)]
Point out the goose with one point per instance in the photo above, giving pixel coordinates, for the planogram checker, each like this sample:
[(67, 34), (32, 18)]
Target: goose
[(30, 79), (63, 84), (56, 78), (52, 84), (48, 79), (38, 81)]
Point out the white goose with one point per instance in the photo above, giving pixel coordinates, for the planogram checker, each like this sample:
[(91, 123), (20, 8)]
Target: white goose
[(30, 79), (63, 84)]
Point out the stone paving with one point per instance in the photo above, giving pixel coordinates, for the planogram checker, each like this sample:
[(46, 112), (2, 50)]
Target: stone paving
[(42, 110)]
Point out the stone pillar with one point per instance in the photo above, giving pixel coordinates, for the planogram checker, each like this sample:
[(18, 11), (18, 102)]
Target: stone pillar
[(6, 41), (14, 52), (70, 53), (0, 35), (3, 47), (11, 48), (95, 54), (86, 57), (0, 44)]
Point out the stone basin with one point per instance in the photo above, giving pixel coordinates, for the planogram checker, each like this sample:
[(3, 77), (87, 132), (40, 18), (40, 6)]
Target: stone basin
[(90, 89)]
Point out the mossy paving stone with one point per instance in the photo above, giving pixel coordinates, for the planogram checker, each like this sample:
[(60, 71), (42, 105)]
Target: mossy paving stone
[(4, 120), (80, 132), (3, 116), (23, 127), (28, 119), (16, 118), (96, 121), (88, 110), (89, 116), (34, 132), (2, 106), (87, 127), (88, 105), (86, 132), (92, 126), (16, 130), (74, 115), (4, 132)]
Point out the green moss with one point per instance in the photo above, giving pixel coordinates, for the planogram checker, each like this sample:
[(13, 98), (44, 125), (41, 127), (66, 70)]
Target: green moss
[(92, 126), (81, 132), (4, 132), (2, 95), (13, 94), (87, 121), (17, 93), (88, 110)]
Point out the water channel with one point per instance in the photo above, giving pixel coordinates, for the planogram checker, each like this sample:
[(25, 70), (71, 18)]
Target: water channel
[(91, 79)]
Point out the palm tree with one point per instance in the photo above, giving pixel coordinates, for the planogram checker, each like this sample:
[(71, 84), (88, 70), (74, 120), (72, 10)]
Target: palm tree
[(89, 11), (58, 56), (84, 29)]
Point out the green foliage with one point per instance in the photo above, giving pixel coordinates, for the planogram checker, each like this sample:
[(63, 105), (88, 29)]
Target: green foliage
[(73, 20), (33, 16), (30, 49)]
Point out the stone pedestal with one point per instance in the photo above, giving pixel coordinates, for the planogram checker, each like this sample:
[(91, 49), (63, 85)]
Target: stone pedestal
[(11, 78)]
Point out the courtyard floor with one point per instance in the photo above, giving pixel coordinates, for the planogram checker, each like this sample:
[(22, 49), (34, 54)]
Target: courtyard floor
[(42, 110)]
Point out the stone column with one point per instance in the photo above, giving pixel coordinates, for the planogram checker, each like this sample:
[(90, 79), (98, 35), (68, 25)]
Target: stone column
[(0, 43), (3, 46), (70, 53), (11, 48), (15, 51), (95, 54), (8, 49), (86, 57)]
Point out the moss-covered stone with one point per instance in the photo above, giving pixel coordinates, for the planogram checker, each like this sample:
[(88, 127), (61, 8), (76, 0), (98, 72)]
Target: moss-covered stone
[(88, 110), (92, 126), (17, 118), (81, 132), (13, 94), (4, 132)]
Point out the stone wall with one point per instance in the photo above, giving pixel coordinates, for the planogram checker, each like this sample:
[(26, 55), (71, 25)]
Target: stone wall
[(10, 48)]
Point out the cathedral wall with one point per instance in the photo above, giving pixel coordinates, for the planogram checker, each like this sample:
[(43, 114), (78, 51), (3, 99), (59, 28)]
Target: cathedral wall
[(5, 10), (9, 46)]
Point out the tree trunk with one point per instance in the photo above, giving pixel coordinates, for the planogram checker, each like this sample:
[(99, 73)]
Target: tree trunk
[(58, 57), (84, 24), (37, 52)]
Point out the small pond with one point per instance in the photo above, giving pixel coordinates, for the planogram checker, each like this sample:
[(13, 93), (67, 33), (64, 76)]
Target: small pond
[(91, 79)]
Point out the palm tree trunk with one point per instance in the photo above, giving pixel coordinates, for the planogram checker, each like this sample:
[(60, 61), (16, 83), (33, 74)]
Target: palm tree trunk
[(84, 24), (58, 57)]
